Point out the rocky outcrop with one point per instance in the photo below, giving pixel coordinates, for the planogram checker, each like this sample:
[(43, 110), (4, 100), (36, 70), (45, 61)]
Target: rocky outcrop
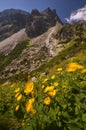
[(36, 23), (40, 22), (74, 30), (38, 51), (11, 21), (19, 56)]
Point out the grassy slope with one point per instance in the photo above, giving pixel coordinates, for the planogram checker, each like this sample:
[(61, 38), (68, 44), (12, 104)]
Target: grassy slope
[(6, 60), (76, 33), (74, 53)]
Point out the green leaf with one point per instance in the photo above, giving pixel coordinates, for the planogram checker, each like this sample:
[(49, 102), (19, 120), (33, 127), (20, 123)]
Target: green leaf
[(52, 114), (76, 110), (84, 117), (27, 128), (73, 128), (65, 114)]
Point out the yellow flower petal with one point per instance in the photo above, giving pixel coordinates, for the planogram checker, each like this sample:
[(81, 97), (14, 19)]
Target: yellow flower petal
[(29, 105), (12, 85), (73, 67), (17, 90), (19, 97), (83, 71), (53, 77), (17, 108), (49, 88), (59, 69), (47, 100), (55, 84), (45, 80), (29, 87), (52, 93), (43, 86)]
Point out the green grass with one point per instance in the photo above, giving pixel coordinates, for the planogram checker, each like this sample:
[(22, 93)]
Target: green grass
[(6, 60), (70, 51)]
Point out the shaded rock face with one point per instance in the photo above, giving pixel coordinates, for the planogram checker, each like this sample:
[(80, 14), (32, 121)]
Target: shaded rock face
[(11, 21), (40, 22), (36, 23)]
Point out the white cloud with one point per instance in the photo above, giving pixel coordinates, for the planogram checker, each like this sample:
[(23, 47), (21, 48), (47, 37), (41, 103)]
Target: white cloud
[(79, 14)]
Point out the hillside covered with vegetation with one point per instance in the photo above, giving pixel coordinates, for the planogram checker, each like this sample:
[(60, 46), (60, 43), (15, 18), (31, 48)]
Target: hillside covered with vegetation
[(52, 97)]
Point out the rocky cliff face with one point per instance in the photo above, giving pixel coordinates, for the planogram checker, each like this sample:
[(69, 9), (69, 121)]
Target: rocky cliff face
[(11, 21), (17, 53), (36, 23), (30, 55), (40, 22), (71, 31)]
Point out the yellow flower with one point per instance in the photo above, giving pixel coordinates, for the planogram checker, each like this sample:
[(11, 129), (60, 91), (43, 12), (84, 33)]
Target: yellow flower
[(29, 87), (17, 108), (53, 77), (32, 100), (17, 90), (55, 83), (12, 85), (49, 88), (47, 100), (73, 67), (59, 69), (83, 71), (29, 105), (19, 97), (45, 80), (52, 93), (43, 86)]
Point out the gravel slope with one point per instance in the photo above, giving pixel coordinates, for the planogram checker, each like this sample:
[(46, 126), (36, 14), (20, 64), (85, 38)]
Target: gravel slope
[(7, 45)]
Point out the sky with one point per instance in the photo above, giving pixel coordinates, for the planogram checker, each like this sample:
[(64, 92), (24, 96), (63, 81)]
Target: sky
[(67, 10)]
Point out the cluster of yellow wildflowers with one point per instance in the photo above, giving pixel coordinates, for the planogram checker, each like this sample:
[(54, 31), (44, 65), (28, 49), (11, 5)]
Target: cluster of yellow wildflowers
[(18, 95), (29, 105), (50, 91)]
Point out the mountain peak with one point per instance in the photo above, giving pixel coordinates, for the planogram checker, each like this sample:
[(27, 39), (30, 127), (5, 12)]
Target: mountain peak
[(35, 12), (36, 22), (40, 22)]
